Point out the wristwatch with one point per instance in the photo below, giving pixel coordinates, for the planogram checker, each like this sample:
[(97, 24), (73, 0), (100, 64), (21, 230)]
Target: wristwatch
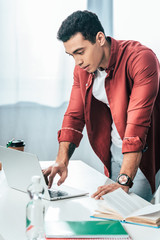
[(124, 180)]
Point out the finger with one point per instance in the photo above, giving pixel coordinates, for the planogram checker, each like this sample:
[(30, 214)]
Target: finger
[(45, 175), (46, 179), (62, 178), (50, 181), (105, 189), (99, 189), (99, 196), (46, 171), (96, 193), (51, 176)]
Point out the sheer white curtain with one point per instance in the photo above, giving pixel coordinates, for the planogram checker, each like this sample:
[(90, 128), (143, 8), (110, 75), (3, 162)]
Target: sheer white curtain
[(33, 64), (34, 68)]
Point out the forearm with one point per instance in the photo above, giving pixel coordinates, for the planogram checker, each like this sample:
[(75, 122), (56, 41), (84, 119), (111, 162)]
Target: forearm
[(129, 166), (131, 162), (65, 152)]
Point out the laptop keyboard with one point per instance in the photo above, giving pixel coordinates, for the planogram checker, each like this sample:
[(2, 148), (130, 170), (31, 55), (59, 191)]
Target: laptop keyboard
[(57, 193)]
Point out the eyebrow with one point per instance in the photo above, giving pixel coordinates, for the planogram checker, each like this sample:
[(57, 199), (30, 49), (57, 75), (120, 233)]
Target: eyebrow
[(75, 51)]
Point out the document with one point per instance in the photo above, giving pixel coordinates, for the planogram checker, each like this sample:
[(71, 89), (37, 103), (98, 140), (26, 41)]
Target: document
[(119, 205)]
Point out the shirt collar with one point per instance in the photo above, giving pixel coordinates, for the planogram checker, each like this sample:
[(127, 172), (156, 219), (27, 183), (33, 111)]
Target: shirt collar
[(113, 54)]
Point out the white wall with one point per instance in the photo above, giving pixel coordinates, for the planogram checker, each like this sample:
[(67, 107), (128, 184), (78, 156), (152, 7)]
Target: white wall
[(138, 20)]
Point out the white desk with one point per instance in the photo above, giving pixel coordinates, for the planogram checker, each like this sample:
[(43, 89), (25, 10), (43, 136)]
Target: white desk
[(13, 205)]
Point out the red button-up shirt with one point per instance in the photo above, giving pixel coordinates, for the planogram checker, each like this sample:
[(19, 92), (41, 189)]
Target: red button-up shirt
[(132, 88)]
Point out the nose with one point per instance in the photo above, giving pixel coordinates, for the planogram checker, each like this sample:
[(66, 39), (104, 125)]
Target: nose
[(78, 60)]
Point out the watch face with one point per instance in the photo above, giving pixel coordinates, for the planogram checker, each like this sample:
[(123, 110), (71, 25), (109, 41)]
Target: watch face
[(123, 179)]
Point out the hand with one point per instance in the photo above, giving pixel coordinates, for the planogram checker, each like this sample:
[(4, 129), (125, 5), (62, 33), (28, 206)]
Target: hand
[(58, 167), (102, 190)]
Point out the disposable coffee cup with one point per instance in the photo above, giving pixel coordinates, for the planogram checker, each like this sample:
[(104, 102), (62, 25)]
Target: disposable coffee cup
[(16, 144)]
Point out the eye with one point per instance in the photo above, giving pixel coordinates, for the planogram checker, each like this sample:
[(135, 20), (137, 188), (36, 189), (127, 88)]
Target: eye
[(80, 53)]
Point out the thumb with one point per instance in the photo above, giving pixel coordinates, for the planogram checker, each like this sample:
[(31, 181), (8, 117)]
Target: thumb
[(62, 178)]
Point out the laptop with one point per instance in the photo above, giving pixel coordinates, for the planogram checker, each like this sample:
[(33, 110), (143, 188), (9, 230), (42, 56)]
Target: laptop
[(19, 167)]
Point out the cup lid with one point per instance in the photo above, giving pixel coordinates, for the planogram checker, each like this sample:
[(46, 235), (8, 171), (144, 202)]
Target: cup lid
[(16, 143)]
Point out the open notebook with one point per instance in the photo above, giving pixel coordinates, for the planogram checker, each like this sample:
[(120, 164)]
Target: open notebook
[(129, 208), (19, 167)]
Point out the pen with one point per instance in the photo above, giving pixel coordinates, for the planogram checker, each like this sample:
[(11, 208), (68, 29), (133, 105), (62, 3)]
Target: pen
[(9, 143)]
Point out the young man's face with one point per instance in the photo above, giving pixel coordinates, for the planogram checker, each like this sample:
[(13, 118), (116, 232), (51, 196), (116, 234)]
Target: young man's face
[(87, 55)]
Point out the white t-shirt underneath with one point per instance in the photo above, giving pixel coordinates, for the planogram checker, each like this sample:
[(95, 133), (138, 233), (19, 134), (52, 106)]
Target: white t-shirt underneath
[(99, 93)]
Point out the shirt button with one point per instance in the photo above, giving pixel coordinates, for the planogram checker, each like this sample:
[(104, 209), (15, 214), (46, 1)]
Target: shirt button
[(86, 84)]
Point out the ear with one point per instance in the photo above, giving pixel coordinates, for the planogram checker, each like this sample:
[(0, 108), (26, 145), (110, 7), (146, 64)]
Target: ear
[(100, 38)]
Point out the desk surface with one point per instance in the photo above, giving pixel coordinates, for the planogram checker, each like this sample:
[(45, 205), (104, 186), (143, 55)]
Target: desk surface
[(13, 205)]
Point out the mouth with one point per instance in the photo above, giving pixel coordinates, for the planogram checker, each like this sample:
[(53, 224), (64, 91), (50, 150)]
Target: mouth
[(85, 68)]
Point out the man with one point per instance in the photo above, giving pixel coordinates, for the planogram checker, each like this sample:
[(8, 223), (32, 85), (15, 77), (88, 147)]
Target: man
[(116, 94)]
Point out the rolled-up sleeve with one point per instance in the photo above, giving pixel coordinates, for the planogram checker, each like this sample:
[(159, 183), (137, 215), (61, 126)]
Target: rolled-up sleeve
[(73, 121), (144, 71)]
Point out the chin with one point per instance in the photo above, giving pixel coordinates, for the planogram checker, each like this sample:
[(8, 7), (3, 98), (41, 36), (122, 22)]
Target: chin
[(91, 70)]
